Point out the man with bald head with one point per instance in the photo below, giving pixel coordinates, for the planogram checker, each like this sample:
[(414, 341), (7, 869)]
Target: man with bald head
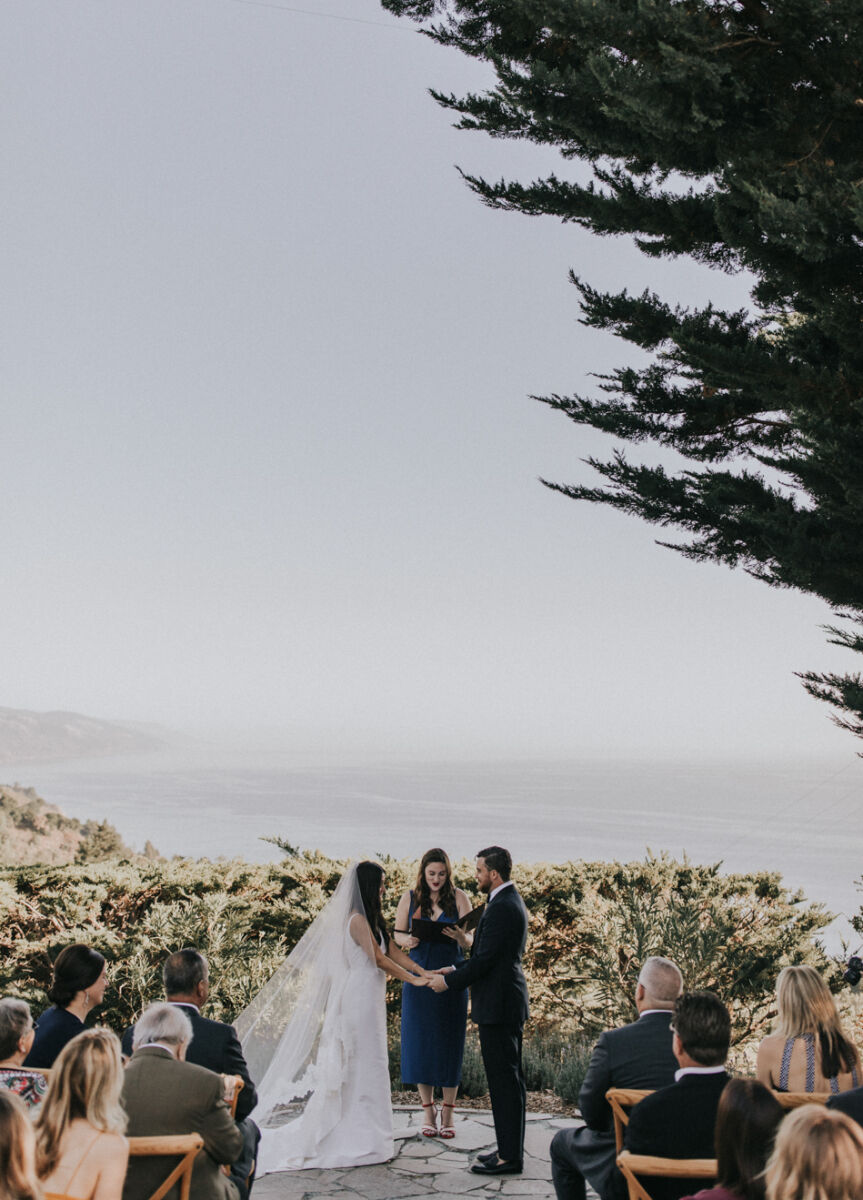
[(639, 1055)]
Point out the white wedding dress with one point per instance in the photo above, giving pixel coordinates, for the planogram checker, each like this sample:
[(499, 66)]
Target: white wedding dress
[(319, 1030)]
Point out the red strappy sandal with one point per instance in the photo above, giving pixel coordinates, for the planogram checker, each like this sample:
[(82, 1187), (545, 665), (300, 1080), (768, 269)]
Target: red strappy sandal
[(430, 1130), (446, 1131)]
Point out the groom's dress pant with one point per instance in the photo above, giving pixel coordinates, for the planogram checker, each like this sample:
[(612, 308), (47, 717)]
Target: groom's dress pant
[(501, 1056)]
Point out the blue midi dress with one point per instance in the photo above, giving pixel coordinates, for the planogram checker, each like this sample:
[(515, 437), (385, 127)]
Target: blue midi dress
[(433, 1026)]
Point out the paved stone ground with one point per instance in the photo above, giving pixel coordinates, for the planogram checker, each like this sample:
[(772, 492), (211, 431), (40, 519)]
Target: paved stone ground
[(428, 1166)]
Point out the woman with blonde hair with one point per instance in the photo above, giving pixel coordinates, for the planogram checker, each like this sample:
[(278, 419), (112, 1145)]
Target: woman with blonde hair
[(808, 1051), (81, 1153), (17, 1152), (818, 1156)]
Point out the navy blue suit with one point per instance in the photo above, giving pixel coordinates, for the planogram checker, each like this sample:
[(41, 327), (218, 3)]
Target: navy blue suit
[(499, 1007)]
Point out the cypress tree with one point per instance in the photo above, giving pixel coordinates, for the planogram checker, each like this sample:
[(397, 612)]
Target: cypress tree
[(729, 131)]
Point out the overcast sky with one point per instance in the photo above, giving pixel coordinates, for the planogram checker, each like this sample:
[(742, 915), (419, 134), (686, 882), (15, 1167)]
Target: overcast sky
[(268, 454)]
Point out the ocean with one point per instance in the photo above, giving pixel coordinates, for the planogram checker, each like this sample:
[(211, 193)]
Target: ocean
[(799, 818)]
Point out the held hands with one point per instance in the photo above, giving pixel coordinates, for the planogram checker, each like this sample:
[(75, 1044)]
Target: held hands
[(437, 983)]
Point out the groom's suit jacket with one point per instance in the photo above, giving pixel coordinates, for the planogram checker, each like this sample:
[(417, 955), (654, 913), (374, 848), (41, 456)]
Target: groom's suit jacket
[(493, 972)]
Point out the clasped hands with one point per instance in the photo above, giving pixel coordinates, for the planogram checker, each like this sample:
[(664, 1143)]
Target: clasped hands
[(435, 979)]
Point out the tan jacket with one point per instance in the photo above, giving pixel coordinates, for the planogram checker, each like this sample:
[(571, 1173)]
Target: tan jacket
[(163, 1096)]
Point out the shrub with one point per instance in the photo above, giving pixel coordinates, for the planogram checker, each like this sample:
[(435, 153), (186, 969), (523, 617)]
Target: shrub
[(592, 925)]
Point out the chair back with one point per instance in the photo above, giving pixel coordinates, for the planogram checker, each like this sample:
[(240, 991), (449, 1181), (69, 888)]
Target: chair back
[(633, 1165), (184, 1147), (790, 1100), (621, 1101), (235, 1094)]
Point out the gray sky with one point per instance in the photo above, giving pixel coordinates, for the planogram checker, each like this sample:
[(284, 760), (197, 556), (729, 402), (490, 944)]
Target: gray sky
[(268, 453)]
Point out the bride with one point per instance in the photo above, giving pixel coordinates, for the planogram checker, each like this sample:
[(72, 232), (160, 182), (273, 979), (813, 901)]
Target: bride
[(315, 1035)]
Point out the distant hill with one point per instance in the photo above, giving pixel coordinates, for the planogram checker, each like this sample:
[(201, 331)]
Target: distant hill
[(44, 737), (32, 831)]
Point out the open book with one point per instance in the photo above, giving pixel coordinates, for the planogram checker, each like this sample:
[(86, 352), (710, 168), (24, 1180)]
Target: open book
[(433, 931)]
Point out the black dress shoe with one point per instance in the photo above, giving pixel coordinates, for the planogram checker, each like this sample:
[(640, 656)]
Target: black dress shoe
[(496, 1167), (489, 1156)]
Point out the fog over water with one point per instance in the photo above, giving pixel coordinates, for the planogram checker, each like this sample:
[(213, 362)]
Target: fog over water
[(750, 815)]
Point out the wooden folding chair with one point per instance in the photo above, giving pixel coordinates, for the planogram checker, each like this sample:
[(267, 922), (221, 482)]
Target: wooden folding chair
[(186, 1147), (633, 1165), (621, 1101), (797, 1099), (238, 1086), (235, 1095)]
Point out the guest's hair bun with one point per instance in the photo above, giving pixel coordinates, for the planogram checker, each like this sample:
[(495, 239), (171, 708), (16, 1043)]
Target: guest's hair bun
[(76, 969)]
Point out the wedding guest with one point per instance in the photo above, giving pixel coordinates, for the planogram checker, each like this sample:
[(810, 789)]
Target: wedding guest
[(433, 1027), (79, 980), (81, 1153), (638, 1055), (746, 1124), (164, 1095), (18, 1179), (809, 1050), (215, 1045), (16, 1038), (818, 1156), (679, 1121)]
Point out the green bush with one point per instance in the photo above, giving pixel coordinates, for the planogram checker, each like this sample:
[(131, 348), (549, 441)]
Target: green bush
[(591, 927)]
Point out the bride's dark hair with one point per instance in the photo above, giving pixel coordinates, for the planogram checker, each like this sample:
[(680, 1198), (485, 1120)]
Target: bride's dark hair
[(369, 876), (447, 892)]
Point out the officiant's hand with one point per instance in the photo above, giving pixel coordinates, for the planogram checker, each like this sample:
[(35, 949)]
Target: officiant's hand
[(457, 934)]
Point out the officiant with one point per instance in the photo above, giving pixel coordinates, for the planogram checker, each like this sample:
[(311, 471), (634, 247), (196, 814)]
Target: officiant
[(433, 1027)]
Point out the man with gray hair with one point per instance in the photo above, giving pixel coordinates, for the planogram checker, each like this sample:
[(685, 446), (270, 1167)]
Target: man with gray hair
[(639, 1055), (186, 977), (165, 1095)]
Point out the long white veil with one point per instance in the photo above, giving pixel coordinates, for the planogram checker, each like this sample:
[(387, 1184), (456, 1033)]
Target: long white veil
[(281, 1029)]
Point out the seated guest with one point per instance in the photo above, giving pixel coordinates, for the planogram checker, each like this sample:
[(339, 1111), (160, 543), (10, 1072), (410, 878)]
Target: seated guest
[(163, 1094), (818, 1156), (809, 1051), (215, 1045), (679, 1121), (81, 1153), (746, 1125), (79, 982), (18, 1179), (16, 1038), (850, 1103), (638, 1055)]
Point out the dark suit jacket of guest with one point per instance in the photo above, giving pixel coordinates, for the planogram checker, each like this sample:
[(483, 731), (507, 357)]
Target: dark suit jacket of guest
[(54, 1029), (163, 1096), (493, 972), (675, 1122), (215, 1046), (850, 1103), (638, 1055)]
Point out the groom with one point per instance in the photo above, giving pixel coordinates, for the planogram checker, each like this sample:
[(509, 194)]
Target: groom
[(499, 1005)]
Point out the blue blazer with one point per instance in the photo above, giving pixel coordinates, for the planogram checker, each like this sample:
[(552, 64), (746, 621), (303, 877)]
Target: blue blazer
[(494, 972)]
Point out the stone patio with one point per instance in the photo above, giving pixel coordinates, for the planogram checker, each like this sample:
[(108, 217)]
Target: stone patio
[(428, 1166)]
